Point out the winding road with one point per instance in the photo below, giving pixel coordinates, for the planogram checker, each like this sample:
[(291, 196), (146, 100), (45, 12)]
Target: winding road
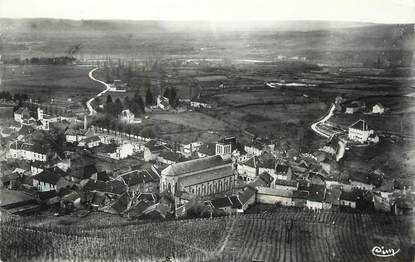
[(324, 119), (107, 88)]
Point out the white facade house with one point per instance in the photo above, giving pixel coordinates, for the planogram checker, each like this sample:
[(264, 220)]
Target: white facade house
[(197, 104), (378, 109), (127, 116), (360, 132), (26, 151), (123, 151), (90, 142), (163, 103)]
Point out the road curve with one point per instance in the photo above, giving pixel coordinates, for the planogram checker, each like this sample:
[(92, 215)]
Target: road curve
[(107, 88), (324, 119)]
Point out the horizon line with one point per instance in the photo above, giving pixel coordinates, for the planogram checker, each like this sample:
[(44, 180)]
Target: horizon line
[(207, 20)]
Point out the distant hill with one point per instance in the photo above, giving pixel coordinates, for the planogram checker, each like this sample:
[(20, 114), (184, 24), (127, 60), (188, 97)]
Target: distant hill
[(44, 24), (330, 42)]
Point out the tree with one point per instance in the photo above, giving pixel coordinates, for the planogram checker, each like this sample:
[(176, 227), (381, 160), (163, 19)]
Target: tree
[(109, 106), (118, 107), (149, 97), (109, 99), (173, 99)]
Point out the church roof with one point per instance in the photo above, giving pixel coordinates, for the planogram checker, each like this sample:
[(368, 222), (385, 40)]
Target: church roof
[(195, 165)]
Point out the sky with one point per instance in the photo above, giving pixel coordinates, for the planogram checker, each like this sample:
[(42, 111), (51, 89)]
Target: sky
[(378, 11)]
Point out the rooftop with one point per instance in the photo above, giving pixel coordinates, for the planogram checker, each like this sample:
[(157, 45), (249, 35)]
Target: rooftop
[(196, 165)]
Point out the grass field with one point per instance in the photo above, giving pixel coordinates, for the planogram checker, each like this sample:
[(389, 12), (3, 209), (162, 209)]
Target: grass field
[(44, 80), (278, 234)]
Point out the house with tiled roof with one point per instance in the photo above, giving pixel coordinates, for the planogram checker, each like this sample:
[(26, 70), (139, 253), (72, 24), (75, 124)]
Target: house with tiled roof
[(51, 179), (316, 196), (207, 149), (152, 149), (266, 195), (22, 114), (141, 181), (168, 156), (90, 142), (75, 135), (28, 151)]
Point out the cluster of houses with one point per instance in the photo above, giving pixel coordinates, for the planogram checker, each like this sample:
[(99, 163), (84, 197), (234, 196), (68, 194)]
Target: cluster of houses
[(357, 106), (222, 175)]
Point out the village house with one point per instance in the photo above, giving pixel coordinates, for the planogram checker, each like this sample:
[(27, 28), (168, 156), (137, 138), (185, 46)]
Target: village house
[(123, 151), (189, 149), (141, 181), (203, 176), (282, 184), (168, 157), (75, 135), (274, 196), (126, 116), (350, 199), (152, 149), (163, 103), (354, 107), (207, 149), (226, 204), (360, 132), (361, 181), (51, 179), (27, 151), (22, 115), (316, 197), (90, 142), (255, 148), (378, 109), (283, 172), (199, 104), (36, 167)]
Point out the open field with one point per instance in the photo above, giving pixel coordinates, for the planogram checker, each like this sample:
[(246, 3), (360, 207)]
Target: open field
[(49, 80), (278, 234), (192, 119)]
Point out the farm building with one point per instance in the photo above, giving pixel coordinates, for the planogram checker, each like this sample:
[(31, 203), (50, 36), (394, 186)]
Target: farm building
[(360, 132), (354, 107), (203, 176)]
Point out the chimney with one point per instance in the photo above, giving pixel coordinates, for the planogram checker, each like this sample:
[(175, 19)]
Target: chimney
[(85, 123)]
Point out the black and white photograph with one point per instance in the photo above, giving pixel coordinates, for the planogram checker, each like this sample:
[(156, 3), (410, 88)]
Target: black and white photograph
[(207, 130)]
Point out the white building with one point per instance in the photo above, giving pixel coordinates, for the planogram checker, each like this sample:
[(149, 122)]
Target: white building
[(378, 109), (360, 132), (26, 151), (163, 103), (127, 116)]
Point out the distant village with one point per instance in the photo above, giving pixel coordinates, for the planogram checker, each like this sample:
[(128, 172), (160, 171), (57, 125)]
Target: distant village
[(93, 168)]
